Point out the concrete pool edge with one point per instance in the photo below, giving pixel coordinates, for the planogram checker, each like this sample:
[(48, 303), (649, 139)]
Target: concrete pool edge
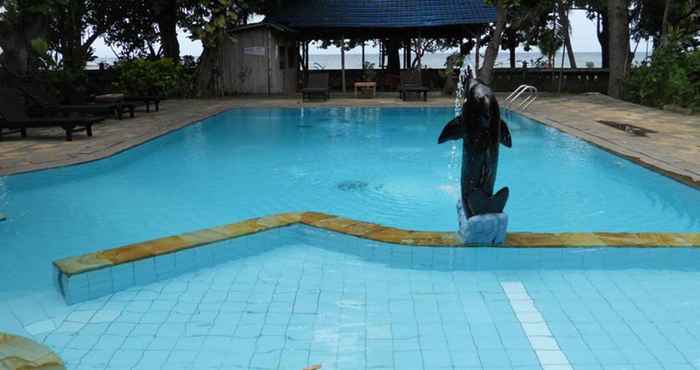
[(640, 158), (134, 252), (21, 353)]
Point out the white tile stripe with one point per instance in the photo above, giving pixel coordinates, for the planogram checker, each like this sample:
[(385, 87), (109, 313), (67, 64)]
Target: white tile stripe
[(543, 343)]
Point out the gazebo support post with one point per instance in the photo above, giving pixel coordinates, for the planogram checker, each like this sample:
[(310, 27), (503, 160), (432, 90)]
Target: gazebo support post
[(342, 61), (306, 62), (407, 54), (363, 55), (419, 45), (381, 54)]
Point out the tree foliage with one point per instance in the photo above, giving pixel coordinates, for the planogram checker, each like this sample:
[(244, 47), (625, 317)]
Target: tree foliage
[(672, 76)]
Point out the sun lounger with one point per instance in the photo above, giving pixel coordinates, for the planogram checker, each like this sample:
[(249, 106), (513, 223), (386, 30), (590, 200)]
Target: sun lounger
[(147, 100), (50, 105), (411, 82), (317, 86), (14, 118)]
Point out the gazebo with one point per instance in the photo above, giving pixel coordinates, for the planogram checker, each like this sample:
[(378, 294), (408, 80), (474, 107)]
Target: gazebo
[(396, 22)]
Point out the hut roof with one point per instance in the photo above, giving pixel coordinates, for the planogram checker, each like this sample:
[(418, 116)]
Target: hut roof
[(389, 15)]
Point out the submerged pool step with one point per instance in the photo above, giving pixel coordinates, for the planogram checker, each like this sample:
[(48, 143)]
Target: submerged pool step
[(101, 273)]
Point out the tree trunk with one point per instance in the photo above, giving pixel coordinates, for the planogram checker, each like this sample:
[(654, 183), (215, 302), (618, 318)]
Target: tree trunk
[(603, 39), (394, 59), (664, 24), (564, 16), (208, 78), (486, 71), (511, 49), (166, 17), (618, 45)]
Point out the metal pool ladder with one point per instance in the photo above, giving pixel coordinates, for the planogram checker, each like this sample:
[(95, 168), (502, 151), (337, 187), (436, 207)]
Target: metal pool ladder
[(529, 97)]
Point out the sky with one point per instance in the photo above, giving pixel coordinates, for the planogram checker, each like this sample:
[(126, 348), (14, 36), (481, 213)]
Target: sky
[(583, 32)]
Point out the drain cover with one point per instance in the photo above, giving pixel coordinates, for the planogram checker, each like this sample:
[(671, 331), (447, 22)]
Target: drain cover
[(626, 127), (352, 185)]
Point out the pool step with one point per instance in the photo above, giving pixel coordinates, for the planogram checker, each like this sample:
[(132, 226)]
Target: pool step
[(97, 274)]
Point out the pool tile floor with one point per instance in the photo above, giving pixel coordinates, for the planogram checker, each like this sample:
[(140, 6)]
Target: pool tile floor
[(386, 308)]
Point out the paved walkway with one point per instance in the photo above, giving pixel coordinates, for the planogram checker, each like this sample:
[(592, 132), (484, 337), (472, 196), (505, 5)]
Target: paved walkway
[(674, 149)]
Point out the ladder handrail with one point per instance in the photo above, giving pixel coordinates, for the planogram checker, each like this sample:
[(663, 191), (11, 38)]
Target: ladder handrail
[(516, 91), (528, 99)]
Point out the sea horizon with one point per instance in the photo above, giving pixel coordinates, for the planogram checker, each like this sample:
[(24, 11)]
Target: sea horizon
[(437, 60)]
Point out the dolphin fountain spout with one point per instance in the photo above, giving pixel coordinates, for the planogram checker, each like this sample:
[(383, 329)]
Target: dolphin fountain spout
[(482, 131)]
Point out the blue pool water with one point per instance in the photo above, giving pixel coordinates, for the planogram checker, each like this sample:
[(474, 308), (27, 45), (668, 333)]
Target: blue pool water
[(299, 296), (375, 164), (380, 165)]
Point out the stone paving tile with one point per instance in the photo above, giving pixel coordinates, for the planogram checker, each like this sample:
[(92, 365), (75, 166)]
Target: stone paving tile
[(674, 149)]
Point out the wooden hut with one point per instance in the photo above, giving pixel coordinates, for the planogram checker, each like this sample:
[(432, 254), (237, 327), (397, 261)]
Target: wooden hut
[(261, 58), (398, 21)]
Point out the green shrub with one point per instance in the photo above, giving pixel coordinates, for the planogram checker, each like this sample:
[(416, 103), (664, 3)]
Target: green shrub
[(672, 76), (163, 77)]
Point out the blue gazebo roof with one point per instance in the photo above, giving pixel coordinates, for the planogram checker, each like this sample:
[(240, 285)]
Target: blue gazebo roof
[(382, 14)]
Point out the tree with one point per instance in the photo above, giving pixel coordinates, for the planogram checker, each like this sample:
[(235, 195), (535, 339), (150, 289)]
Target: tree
[(563, 7), (74, 25), (22, 25), (512, 37), (618, 19), (422, 46), (135, 34), (549, 42), (167, 14), (520, 13), (486, 71), (597, 9), (208, 21)]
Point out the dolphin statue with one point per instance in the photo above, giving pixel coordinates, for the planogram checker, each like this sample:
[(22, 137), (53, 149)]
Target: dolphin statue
[(482, 131)]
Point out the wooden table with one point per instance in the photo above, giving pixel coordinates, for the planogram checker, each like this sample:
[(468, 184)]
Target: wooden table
[(371, 86), (109, 98)]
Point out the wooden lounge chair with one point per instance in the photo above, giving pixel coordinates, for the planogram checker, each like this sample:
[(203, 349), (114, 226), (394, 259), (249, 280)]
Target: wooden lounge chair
[(48, 104), (14, 118), (147, 100), (411, 82), (317, 86)]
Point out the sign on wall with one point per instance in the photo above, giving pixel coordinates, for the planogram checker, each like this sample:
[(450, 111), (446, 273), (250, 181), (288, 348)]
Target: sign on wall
[(254, 50)]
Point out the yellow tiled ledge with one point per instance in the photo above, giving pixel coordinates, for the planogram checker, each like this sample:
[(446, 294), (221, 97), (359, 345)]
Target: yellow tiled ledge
[(22, 353), (112, 257)]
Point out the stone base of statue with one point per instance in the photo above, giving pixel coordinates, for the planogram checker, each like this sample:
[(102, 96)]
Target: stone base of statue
[(482, 229)]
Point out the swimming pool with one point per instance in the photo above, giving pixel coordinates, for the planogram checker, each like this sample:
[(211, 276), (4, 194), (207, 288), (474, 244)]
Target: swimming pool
[(296, 296), (375, 164)]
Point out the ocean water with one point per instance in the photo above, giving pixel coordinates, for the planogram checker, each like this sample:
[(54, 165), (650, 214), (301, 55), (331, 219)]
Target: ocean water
[(437, 60)]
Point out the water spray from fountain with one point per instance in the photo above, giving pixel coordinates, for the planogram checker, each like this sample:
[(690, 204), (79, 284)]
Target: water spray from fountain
[(465, 74)]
